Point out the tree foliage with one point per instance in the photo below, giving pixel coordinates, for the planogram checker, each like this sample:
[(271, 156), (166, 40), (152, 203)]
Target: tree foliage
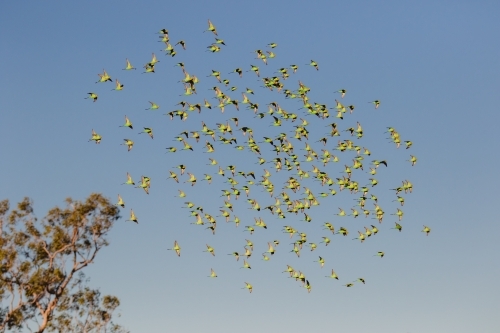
[(42, 285)]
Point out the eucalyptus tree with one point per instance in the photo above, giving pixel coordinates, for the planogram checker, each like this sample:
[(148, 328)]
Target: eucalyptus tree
[(42, 284)]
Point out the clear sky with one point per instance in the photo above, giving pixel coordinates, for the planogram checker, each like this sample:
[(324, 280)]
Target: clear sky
[(433, 65)]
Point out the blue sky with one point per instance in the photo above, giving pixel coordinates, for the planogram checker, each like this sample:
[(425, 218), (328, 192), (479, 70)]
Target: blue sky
[(435, 68)]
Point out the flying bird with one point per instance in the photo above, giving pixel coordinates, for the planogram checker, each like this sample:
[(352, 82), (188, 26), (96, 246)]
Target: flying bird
[(176, 248), (95, 137), (211, 28), (128, 66), (248, 286), (132, 217), (92, 96)]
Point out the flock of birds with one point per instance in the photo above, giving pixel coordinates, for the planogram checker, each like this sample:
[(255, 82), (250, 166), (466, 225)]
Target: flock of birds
[(293, 153)]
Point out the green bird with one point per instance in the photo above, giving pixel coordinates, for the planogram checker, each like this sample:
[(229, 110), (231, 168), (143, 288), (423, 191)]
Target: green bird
[(239, 71), (277, 121), (270, 249), (401, 200), (248, 286), (307, 218), (173, 175), (189, 204), (95, 137), (211, 28), (212, 273), (118, 86), (148, 131), (149, 69), (176, 248), (342, 92), (333, 275), (128, 66), (250, 229), (129, 143), (144, 184), (314, 64), (398, 227), (219, 41), (343, 231), (321, 261), (254, 69), (377, 163), (427, 230), (120, 202), (313, 246), (129, 180), (154, 106), (246, 264), (325, 240), (249, 244), (361, 237), (187, 146), (341, 212), (154, 60), (213, 48), (181, 43), (208, 178), (225, 214), (330, 227), (289, 270), (104, 77), (360, 280), (132, 217), (170, 51), (128, 123), (307, 285), (376, 103), (210, 250), (248, 252), (236, 255), (92, 96), (399, 213), (192, 179)]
